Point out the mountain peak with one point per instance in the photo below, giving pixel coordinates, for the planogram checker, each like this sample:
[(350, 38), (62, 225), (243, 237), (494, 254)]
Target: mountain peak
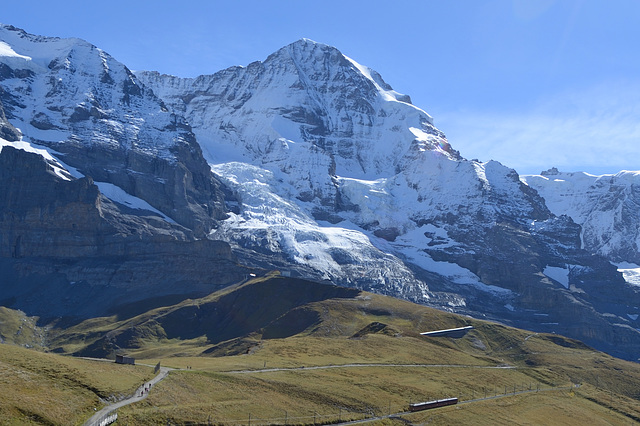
[(323, 61), (305, 50), (551, 172), (306, 92), (22, 50), (308, 42)]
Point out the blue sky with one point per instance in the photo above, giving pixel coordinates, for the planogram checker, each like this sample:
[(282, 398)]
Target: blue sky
[(533, 84)]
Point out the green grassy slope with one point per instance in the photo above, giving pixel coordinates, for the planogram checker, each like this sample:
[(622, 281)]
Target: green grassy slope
[(42, 388), (253, 350), (20, 329)]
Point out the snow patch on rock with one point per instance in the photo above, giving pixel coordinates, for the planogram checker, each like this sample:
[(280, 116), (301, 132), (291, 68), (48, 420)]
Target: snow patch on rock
[(558, 274), (630, 272), (115, 193), (60, 169)]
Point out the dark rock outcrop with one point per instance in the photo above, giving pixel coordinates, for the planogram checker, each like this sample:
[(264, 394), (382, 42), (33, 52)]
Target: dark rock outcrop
[(7, 131), (67, 251)]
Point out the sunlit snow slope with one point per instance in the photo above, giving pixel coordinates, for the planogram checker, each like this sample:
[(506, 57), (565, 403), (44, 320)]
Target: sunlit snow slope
[(607, 207), (338, 175), (337, 170)]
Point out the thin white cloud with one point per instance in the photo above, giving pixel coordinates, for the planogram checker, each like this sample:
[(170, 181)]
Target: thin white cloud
[(527, 10), (597, 130)]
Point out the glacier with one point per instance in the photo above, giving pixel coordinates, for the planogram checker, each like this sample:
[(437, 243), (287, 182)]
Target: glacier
[(328, 140)]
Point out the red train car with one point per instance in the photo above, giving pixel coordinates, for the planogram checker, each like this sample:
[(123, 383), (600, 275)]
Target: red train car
[(419, 406)]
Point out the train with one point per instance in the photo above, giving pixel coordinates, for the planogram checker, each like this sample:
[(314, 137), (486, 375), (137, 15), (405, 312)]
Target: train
[(419, 406)]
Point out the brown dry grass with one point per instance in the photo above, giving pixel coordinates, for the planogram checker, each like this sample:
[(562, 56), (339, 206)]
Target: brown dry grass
[(41, 388), (212, 392)]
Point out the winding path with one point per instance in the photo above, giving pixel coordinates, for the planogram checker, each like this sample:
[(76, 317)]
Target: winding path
[(322, 367), (139, 395)]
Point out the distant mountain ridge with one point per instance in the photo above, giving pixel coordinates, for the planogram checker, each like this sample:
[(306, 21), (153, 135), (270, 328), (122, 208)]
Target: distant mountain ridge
[(606, 207), (321, 170)]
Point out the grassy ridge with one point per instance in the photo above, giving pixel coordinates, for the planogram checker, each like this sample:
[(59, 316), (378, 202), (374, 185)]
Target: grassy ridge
[(540, 360), (289, 327), (562, 407)]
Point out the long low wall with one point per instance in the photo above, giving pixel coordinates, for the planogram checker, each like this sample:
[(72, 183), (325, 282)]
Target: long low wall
[(449, 332)]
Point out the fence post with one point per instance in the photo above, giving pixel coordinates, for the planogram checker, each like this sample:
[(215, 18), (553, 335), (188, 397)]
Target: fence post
[(249, 419)]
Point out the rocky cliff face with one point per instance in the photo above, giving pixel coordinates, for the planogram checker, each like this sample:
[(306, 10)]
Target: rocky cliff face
[(7, 131), (69, 95), (308, 113), (68, 251)]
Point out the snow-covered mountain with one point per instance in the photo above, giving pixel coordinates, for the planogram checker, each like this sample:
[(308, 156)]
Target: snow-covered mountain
[(320, 169), (74, 98), (607, 208), (287, 135), (337, 172), (311, 135)]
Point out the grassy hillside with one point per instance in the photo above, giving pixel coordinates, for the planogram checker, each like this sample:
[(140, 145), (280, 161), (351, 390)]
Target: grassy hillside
[(18, 328), (42, 388), (609, 389), (278, 350), (271, 303)]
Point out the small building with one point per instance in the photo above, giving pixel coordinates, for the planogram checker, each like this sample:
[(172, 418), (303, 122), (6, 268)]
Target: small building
[(121, 359)]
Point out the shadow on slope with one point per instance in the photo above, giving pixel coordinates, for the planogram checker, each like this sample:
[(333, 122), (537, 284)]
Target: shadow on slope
[(272, 305)]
